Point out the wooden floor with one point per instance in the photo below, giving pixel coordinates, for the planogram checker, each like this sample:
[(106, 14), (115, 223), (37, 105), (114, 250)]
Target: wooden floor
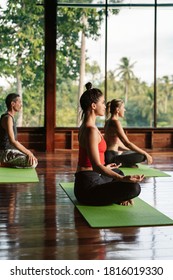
[(39, 222)]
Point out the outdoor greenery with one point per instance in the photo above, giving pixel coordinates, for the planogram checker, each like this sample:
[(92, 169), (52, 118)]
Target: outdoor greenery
[(22, 67), (21, 57)]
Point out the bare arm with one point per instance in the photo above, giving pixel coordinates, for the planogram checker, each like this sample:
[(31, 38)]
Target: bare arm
[(93, 153), (7, 123), (121, 134)]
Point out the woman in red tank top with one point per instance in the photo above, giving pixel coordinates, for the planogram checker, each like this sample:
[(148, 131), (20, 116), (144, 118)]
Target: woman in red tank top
[(95, 183)]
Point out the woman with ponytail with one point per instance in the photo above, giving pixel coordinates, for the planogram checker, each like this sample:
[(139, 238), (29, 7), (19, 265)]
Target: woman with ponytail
[(119, 148), (95, 182)]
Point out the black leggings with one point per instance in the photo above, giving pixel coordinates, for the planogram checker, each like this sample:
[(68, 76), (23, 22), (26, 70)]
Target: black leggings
[(91, 188), (127, 158)]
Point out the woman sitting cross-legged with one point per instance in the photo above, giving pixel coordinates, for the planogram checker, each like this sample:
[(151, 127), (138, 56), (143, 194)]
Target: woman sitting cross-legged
[(95, 182), (119, 148)]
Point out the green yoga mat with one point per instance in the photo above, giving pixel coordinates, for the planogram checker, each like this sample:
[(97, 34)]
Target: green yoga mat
[(15, 175), (139, 214), (145, 170)]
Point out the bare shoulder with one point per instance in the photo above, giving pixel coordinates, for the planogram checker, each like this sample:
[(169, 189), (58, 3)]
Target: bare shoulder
[(117, 123), (86, 133), (91, 130), (112, 123), (93, 134), (6, 119)]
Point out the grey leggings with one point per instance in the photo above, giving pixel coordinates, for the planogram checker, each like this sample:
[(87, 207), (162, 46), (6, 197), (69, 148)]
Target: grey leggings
[(91, 188), (127, 158)]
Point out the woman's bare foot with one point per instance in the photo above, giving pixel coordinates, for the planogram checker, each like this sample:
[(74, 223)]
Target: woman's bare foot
[(127, 202)]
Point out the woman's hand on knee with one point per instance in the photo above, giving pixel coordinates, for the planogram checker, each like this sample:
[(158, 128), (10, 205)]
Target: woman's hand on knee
[(133, 178), (113, 165)]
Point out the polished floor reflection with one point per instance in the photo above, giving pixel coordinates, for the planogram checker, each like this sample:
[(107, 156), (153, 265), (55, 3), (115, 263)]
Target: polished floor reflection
[(38, 221)]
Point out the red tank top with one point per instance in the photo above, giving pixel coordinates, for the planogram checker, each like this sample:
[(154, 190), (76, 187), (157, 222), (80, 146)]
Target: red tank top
[(83, 157)]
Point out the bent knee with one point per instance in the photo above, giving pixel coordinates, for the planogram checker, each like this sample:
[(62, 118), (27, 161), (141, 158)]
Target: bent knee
[(136, 189)]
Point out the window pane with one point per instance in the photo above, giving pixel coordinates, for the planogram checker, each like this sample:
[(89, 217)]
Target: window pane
[(131, 63), (22, 56), (130, 2), (80, 58), (164, 2), (78, 2), (164, 67)]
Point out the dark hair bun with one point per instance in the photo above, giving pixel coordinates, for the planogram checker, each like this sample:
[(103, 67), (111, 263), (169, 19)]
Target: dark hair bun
[(88, 86)]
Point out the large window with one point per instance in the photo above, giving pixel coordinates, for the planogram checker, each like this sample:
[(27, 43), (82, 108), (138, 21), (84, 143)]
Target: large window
[(131, 63), (164, 67), (123, 47), (21, 58), (126, 52), (80, 58)]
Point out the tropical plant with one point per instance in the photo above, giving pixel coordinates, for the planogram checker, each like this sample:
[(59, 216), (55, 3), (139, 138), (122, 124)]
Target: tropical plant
[(22, 47), (125, 72)]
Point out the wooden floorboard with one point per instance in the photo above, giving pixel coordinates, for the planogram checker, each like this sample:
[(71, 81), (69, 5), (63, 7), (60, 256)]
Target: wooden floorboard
[(39, 222)]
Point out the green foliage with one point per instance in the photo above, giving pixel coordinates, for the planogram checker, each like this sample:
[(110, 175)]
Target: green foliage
[(2, 103), (140, 105), (70, 24), (22, 54), (66, 103), (33, 114), (22, 61), (21, 29), (71, 21), (134, 115)]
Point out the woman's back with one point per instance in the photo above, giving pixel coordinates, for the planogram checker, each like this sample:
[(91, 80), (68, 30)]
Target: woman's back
[(110, 135)]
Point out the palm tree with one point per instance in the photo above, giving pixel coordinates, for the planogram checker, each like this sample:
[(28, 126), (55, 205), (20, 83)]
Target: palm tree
[(167, 90), (94, 71), (126, 74)]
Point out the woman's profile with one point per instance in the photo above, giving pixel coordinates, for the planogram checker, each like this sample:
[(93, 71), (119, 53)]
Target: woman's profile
[(119, 148), (95, 182)]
